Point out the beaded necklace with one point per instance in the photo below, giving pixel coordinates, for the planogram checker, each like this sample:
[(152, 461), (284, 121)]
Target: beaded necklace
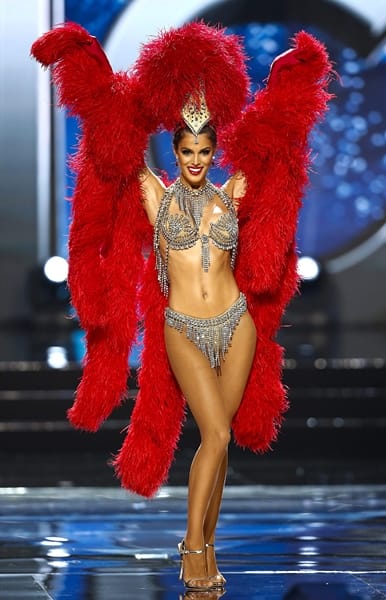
[(192, 202)]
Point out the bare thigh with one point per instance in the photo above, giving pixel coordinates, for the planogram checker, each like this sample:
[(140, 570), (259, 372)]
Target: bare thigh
[(236, 367), (213, 399), (197, 380)]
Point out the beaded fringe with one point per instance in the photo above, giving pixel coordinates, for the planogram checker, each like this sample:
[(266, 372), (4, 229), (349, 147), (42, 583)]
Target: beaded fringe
[(222, 233), (192, 202), (211, 336)]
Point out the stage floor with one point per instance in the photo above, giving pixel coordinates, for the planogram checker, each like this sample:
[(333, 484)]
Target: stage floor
[(274, 542)]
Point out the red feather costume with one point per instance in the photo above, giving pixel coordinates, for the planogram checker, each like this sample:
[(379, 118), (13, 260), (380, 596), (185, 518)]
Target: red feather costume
[(113, 286)]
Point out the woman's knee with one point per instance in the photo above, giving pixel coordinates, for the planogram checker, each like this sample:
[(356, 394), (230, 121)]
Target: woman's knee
[(217, 439)]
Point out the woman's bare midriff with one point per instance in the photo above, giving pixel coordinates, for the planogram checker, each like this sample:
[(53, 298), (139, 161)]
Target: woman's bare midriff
[(195, 292)]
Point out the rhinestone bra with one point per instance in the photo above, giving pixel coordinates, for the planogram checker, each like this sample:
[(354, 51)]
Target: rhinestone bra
[(181, 233)]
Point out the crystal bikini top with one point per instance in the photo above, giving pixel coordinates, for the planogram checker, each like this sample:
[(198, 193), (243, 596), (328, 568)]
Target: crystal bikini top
[(182, 231)]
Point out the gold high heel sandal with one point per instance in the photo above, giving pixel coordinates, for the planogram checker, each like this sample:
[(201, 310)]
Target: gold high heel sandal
[(193, 584), (218, 580)]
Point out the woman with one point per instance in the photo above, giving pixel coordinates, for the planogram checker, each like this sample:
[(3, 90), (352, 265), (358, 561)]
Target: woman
[(209, 385), (225, 257)]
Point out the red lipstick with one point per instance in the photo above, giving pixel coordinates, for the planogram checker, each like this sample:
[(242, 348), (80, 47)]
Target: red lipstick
[(195, 170)]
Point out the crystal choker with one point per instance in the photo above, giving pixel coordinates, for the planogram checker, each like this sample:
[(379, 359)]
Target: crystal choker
[(192, 202)]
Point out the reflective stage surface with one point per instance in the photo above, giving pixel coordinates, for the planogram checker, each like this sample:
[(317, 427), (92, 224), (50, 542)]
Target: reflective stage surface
[(289, 543)]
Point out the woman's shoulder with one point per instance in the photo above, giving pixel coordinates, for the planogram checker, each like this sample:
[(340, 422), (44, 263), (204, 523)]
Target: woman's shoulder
[(235, 187)]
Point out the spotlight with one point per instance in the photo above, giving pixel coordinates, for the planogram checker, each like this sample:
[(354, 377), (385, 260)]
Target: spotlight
[(308, 268), (57, 357), (47, 288), (56, 269)]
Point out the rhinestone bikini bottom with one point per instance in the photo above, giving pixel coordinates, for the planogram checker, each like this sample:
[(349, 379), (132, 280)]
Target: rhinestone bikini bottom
[(211, 336)]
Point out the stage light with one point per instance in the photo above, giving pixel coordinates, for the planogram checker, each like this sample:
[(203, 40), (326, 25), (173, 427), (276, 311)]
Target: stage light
[(48, 291), (56, 269), (308, 268), (57, 357)]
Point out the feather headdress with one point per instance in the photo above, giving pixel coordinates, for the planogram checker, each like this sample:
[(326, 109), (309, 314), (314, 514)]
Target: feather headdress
[(185, 64)]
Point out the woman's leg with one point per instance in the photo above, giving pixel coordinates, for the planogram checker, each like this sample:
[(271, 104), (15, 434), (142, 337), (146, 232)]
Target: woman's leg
[(232, 381), (199, 385), (215, 502), (213, 401), (211, 518)]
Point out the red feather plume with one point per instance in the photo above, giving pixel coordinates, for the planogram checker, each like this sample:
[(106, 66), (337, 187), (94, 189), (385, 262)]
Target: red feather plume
[(179, 61)]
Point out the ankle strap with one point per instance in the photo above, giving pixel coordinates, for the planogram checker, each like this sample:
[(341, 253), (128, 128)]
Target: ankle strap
[(185, 551), (209, 545), (182, 549)]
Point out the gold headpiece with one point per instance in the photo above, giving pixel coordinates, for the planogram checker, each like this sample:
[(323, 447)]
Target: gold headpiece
[(195, 114)]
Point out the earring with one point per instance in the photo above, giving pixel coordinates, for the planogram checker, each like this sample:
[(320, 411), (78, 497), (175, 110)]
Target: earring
[(176, 163), (213, 161)]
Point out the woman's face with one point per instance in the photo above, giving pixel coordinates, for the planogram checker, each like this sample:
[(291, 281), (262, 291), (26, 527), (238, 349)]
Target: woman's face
[(194, 159)]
